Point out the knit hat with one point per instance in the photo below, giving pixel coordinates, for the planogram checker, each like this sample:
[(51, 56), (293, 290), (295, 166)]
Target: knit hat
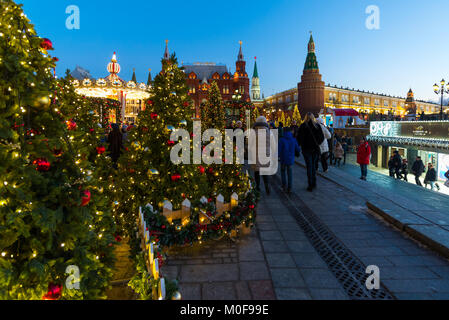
[(261, 119)]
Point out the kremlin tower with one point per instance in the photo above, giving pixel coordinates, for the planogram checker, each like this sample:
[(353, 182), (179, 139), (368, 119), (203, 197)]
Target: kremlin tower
[(255, 84), (311, 87)]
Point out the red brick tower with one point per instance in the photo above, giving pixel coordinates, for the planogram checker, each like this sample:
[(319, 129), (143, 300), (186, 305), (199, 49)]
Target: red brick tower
[(241, 80), (311, 87)]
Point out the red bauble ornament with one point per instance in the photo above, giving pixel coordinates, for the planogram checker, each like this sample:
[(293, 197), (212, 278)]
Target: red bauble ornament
[(209, 200), (211, 170), (92, 130), (170, 143), (54, 292), (86, 198), (42, 164), (46, 44), (101, 150), (55, 59), (150, 102), (118, 238), (251, 206), (144, 129), (202, 169), (153, 115), (71, 125), (175, 177), (186, 104)]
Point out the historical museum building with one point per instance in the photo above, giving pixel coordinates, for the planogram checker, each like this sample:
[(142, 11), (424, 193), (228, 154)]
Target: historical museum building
[(201, 75)]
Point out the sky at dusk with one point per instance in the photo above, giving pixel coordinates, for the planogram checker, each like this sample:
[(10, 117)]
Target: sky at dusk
[(410, 50)]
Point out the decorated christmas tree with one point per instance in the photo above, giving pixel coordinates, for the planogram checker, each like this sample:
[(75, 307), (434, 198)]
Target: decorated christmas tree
[(297, 116), (51, 230), (147, 175)]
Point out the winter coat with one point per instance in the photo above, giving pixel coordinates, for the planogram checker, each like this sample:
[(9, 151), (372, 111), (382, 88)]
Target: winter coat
[(324, 147), (295, 129), (391, 165), (254, 145), (310, 137), (404, 168), (363, 153), (431, 175), (338, 152), (397, 160), (418, 167), (287, 148), (115, 143)]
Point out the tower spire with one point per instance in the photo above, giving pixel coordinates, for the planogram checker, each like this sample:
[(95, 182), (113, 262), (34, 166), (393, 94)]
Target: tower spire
[(150, 80), (240, 56), (134, 78), (255, 73), (166, 53), (311, 61)]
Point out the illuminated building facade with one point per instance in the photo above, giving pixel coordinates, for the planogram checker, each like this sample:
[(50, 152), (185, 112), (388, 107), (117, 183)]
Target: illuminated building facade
[(313, 95)]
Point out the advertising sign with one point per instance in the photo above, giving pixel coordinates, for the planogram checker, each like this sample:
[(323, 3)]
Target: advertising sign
[(411, 129)]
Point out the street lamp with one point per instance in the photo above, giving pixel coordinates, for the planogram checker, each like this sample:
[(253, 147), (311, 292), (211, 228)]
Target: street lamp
[(441, 90), (236, 96)]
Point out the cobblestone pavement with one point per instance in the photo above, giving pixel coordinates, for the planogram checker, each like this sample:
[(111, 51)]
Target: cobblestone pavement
[(278, 261)]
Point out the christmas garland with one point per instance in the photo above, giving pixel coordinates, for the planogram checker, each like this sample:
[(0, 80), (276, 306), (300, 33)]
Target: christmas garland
[(168, 234)]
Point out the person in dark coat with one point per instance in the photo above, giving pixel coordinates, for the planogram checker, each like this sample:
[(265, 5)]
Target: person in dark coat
[(418, 169), (288, 147), (310, 136), (431, 177), (404, 169), (391, 166), (295, 129), (397, 164), (115, 141)]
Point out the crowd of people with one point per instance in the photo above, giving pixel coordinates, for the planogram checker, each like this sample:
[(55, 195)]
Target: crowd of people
[(399, 169)]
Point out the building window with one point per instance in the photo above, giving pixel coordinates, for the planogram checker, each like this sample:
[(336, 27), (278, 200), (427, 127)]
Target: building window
[(192, 89), (386, 104), (288, 99), (376, 102), (332, 96), (296, 97), (225, 89), (345, 98), (355, 99), (367, 101), (242, 89), (395, 104)]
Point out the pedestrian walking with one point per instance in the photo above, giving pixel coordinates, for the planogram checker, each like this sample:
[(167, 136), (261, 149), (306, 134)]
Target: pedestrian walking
[(397, 164), (391, 166), (431, 177), (288, 148), (418, 169), (261, 125), (345, 145), (295, 129), (338, 152), (404, 169), (324, 146), (310, 137), (125, 133), (115, 143), (363, 157)]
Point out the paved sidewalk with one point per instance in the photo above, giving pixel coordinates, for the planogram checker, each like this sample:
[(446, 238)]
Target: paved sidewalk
[(408, 270)]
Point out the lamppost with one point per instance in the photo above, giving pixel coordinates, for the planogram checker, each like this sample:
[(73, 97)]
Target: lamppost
[(442, 91)]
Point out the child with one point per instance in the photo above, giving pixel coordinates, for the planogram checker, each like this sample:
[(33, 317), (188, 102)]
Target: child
[(288, 147), (338, 153)]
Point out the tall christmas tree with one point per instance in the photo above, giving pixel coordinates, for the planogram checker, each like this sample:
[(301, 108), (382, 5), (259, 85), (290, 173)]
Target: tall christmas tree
[(297, 116), (48, 206), (147, 175), (213, 112)]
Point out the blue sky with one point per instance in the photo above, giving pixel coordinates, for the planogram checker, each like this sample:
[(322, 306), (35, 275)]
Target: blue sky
[(409, 50)]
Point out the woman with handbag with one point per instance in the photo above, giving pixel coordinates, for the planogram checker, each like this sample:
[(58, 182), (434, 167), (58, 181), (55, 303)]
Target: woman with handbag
[(310, 137)]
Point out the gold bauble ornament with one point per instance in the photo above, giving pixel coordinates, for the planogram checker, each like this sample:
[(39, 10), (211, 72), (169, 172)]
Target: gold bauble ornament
[(42, 102)]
